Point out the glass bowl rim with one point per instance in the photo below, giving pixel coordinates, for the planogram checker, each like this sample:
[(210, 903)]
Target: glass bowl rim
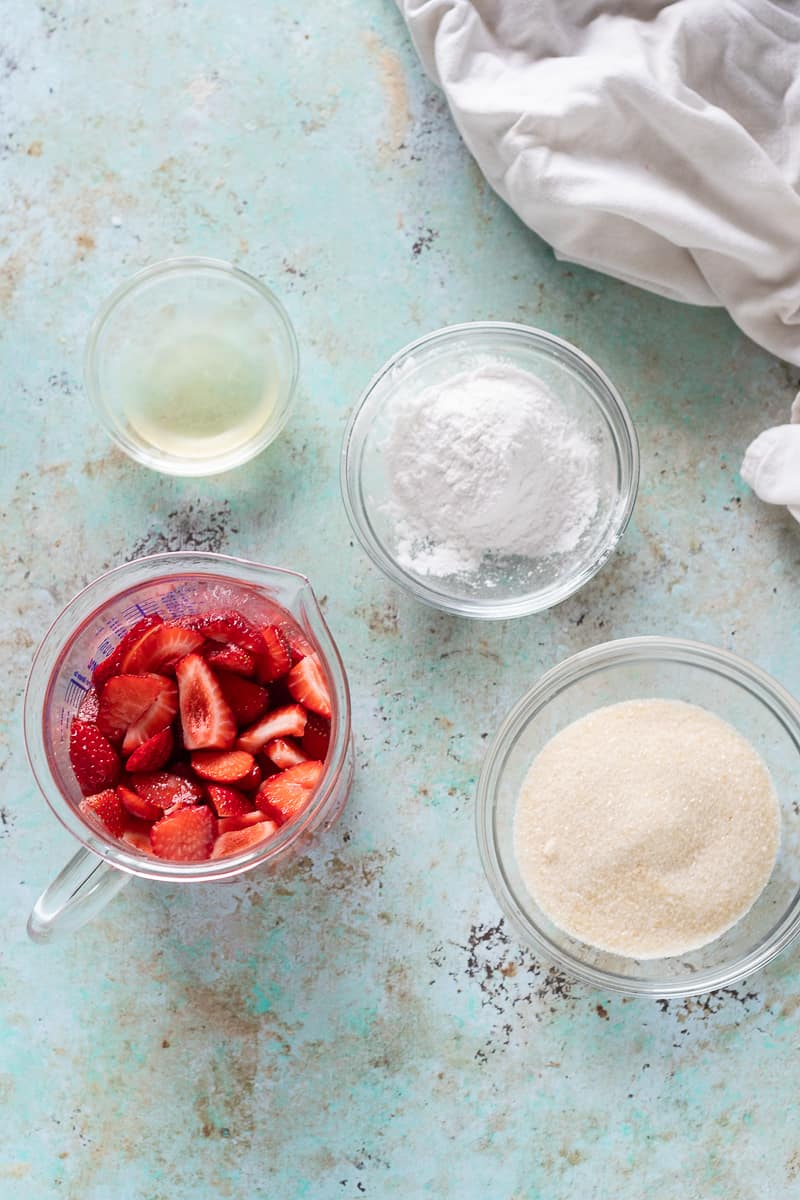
[(62, 631), (153, 460), (571, 670), (626, 447)]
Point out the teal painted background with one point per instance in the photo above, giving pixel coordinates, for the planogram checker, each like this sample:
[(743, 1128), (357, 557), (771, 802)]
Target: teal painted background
[(366, 1026)]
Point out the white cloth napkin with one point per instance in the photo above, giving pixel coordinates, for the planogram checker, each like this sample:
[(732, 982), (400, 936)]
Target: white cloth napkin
[(655, 140), (771, 465)]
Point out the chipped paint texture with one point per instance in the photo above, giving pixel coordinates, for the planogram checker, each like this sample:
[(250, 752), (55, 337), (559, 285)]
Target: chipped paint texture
[(362, 1025)]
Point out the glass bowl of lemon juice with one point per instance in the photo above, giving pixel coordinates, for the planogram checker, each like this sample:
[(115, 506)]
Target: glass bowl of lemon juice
[(191, 366)]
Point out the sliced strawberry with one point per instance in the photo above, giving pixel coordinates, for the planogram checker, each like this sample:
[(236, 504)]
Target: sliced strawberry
[(112, 665), (94, 760), (126, 705), (307, 684), (137, 806), (244, 821), (275, 658), (231, 658), (138, 840), (157, 717), (185, 835), (285, 754), (299, 646), (247, 700), (227, 801), (235, 841), (281, 722), (317, 737), (222, 766), (87, 710), (159, 649), (166, 789), (207, 720), (284, 796), (251, 781), (105, 808), (227, 626), (153, 753)]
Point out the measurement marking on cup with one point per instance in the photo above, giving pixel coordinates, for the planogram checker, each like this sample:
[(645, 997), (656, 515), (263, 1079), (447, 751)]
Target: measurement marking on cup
[(144, 608), (117, 628), (77, 688), (177, 602)]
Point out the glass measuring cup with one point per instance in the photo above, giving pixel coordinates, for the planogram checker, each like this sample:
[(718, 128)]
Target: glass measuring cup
[(87, 631)]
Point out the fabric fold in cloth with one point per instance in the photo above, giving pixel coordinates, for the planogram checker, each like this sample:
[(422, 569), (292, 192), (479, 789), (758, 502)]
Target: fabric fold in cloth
[(771, 465), (655, 140)]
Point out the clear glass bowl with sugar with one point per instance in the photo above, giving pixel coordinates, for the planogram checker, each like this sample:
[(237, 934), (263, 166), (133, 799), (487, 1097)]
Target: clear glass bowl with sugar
[(631, 669)]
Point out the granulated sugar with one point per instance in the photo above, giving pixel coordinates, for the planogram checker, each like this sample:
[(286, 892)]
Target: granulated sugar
[(487, 463), (647, 828)]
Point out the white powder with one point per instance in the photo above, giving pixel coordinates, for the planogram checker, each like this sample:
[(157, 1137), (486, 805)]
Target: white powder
[(487, 463), (647, 828)]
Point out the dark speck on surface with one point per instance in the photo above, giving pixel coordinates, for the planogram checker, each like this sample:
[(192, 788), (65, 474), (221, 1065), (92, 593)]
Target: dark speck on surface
[(188, 528), (424, 241)]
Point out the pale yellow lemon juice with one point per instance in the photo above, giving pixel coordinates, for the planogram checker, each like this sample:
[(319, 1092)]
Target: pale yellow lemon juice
[(202, 393), (191, 366)]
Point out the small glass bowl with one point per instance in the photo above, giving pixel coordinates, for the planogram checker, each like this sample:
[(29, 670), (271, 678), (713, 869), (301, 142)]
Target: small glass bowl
[(510, 588), (634, 668), (191, 366)]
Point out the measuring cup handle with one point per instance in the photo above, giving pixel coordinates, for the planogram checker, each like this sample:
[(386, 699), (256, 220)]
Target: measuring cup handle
[(75, 896)]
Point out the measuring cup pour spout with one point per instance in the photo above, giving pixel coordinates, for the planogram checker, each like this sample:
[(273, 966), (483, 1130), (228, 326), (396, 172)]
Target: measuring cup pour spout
[(84, 634)]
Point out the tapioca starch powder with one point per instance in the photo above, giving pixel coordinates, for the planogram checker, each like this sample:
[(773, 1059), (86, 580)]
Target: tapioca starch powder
[(487, 463)]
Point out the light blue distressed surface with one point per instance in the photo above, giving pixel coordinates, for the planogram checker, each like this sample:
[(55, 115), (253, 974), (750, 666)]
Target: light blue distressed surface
[(367, 1027)]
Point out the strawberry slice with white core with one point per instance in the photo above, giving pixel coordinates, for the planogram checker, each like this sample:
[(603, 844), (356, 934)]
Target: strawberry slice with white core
[(275, 658), (153, 753), (307, 685), (155, 719), (105, 810), (112, 665), (159, 649), (227, 801), (222, 766), (242, 821), (285, 796), (185, 835), (235, 841), (94, 760), (134, 707), (280, 723), (206, 717), (285, 754), (137, 806), (227, 626)]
